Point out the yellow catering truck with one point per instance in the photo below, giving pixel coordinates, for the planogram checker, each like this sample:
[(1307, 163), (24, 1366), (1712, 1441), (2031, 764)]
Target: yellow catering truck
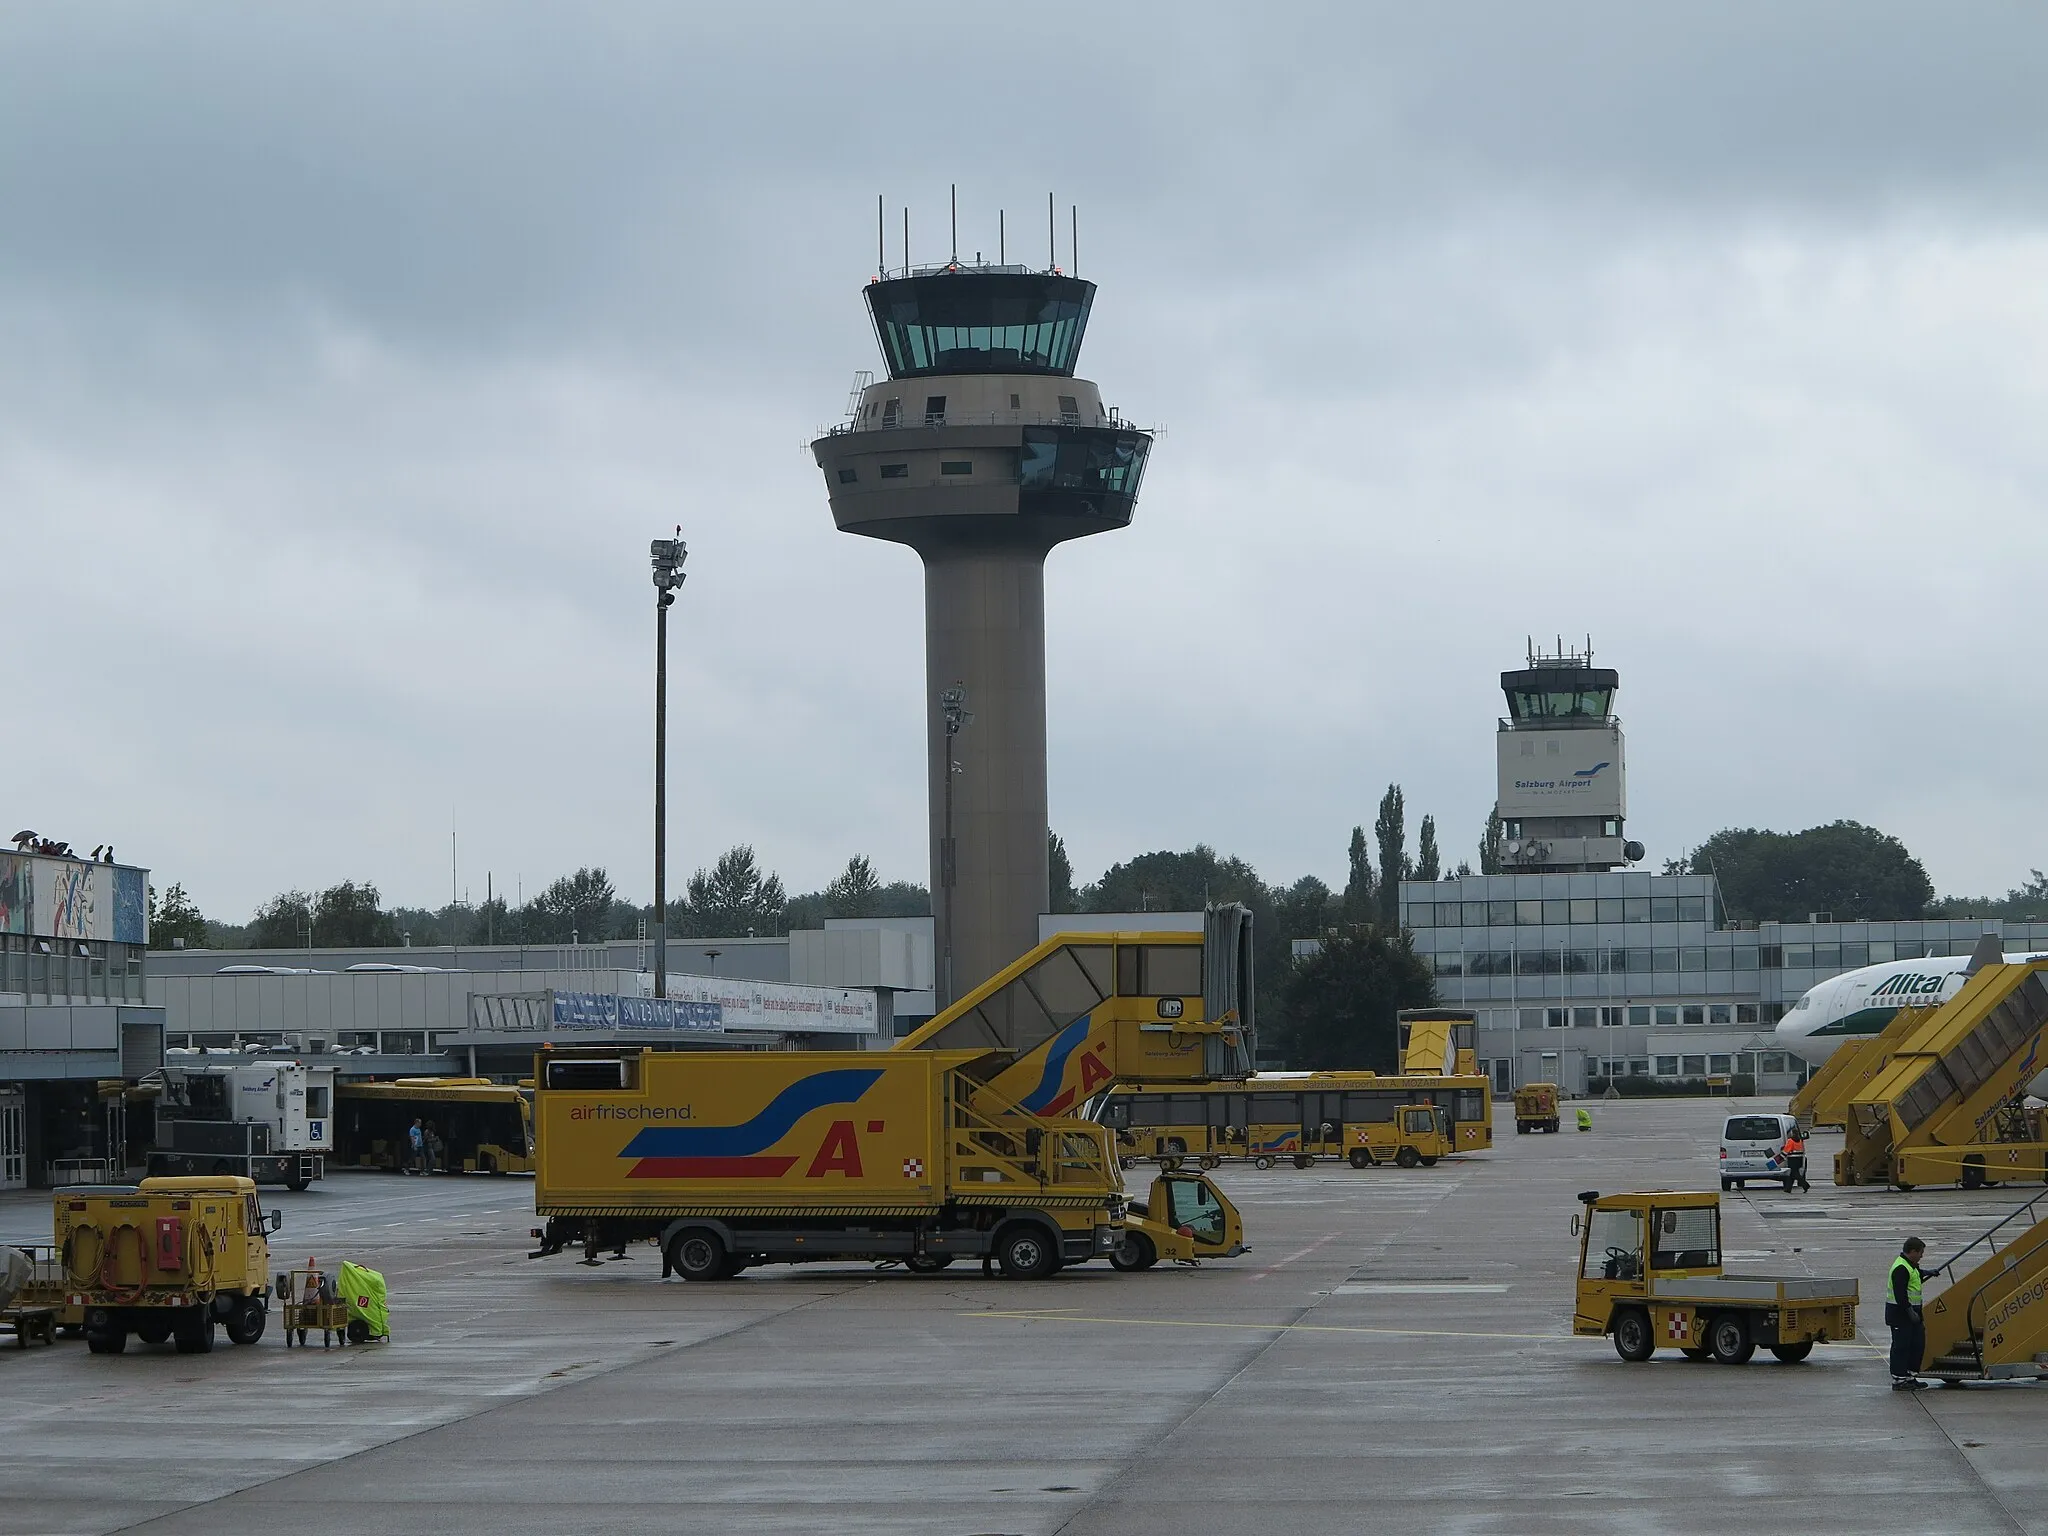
[(166, 1259), (731, 1159)]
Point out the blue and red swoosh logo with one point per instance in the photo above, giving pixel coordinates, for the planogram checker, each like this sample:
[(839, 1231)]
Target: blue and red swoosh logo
[(737, 1151), (1046, 1099)]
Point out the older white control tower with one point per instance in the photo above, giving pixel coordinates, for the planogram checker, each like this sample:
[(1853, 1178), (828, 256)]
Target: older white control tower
[(1562, 794), (981, 451)]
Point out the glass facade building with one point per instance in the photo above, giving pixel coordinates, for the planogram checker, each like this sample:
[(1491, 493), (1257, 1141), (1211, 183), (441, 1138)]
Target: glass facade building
[(1577, 977)]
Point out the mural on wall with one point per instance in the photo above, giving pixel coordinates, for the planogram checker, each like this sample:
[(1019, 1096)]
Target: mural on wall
[(64, 890), (131, 904), (15, 893)]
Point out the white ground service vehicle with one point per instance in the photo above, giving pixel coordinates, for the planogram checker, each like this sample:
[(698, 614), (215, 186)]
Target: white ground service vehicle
[(1753, 1147)]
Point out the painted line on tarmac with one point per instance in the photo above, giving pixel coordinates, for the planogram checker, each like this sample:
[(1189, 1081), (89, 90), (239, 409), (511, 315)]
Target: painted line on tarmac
[(1176, 1322), (1304, 1253)]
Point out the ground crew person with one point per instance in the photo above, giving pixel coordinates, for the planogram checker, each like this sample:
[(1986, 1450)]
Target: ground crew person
[(1902, 1315), (1795, 1157), (1585, 1117)]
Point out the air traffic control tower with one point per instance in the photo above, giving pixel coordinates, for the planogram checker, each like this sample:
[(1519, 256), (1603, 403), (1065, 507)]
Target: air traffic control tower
[(1562, 793), (981, 451)]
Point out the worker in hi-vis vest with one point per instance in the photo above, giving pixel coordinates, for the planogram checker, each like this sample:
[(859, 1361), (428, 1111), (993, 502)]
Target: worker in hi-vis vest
[(1795, 1157), (1902, 1315)]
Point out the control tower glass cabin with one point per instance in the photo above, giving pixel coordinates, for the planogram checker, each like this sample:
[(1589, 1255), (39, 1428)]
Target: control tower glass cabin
[(1563, 797), (981, 450)]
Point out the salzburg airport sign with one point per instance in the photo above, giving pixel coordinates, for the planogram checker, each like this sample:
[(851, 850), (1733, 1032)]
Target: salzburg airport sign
[(1561, 773), (702, 1004)]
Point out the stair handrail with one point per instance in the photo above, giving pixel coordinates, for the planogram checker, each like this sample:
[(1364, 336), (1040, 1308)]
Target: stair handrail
[(1987, 1236), (1970, 1328)]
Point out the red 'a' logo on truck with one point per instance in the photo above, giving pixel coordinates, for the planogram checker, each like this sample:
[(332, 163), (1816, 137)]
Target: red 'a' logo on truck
[(838, 1153)]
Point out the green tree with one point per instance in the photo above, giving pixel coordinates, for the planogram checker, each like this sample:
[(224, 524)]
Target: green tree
[(1060, 893), (1341, 1004), (1855, 872), (572, 909), (1304, 910), (1391, 834), (734, 898), (1428, 862), (352, 916), (283, 922), (855, 891), (1493, 844), (1361, 890), (176, 922), (2027, 900)]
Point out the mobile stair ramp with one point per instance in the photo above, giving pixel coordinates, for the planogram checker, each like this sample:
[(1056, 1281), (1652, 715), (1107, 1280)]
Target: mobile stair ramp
[(1990, 1322), (1823, 1099), (1950, 1104)]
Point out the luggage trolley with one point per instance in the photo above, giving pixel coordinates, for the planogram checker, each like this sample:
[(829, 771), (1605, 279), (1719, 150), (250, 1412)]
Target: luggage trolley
[(310, 1301)]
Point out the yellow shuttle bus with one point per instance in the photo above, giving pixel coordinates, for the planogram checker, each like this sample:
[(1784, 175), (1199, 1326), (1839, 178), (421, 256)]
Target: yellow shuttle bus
[(485, 1127), (1358, 1116)]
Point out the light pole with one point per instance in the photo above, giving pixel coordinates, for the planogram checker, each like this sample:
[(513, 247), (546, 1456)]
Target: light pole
[(953, 704), (667, 557)]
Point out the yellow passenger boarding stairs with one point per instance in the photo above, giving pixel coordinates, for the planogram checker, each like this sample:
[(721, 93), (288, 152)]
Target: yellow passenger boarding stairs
[(1991, 1321), (1823, 1099), (1949, 1107)]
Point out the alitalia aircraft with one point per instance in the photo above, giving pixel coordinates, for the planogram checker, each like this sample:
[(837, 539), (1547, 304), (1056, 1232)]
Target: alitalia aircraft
[(1862, 1002)]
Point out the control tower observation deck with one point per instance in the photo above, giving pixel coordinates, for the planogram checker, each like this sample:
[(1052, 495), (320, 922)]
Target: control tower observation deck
[(981, 451), (1563, 796)]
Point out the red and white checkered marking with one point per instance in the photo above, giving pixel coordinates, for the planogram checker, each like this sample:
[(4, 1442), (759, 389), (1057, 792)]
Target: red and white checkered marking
[(913, 1167), (1678, 1325)]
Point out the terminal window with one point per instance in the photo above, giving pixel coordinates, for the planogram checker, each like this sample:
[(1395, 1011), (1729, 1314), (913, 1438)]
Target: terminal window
[(1667, 1066), (1695, 1066), (1745, 1013), (1695, 1013), (1639, 1013), (956, 466), (895, 471), (1667, 1015), (849, 476), (1718, 1013)]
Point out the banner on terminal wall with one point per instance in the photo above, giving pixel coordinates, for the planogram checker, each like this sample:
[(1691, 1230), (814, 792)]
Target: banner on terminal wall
[(705, 1003)]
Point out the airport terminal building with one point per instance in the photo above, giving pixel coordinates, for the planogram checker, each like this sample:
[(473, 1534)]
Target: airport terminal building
[(1578, 976)]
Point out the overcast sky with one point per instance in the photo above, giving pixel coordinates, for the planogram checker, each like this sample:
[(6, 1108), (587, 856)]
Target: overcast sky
[(349, 357)]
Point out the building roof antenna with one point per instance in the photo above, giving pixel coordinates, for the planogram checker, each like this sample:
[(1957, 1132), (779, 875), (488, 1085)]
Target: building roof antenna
[(956, 223), (1052, 250), (881, 249), (1001, 236), (1074, 241)]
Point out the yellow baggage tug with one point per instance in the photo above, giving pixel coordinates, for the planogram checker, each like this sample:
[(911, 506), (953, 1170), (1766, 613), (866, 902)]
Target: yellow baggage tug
[(1650, 1275)]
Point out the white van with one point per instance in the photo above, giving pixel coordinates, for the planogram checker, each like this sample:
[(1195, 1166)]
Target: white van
[(1753, 1147)]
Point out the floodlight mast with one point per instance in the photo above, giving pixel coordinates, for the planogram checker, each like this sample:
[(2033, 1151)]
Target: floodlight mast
[(981, 450), (667, 557)]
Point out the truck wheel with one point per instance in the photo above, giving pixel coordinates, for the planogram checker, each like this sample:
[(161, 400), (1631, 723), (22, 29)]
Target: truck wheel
[(1262, 1162), (1429, 1162), (1973, 1173), (1168, 1163), (1407, 1157), (1521, 1129), (1212, 1162), (1551, 1127), (1301, 1160), (696, 1253), (1133, 1251), (927, 1263), (1726, 1185), (1633, 1340), (1728, 1337), (1360, 1158), (1792, 1354), (1026, 1253), (1175, 1144), (297, 1185), (245, 1323), (106, 1341), (1126, 1163), (222, 1165), (153, 1331), (194, 1338)]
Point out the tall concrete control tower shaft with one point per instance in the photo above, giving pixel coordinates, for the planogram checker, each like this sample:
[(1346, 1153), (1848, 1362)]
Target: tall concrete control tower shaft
[(981, 451)]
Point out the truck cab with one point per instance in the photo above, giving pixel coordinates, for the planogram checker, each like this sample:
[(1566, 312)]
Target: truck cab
[(1650, 1275), (1185, 1218), (1418, 1135)]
